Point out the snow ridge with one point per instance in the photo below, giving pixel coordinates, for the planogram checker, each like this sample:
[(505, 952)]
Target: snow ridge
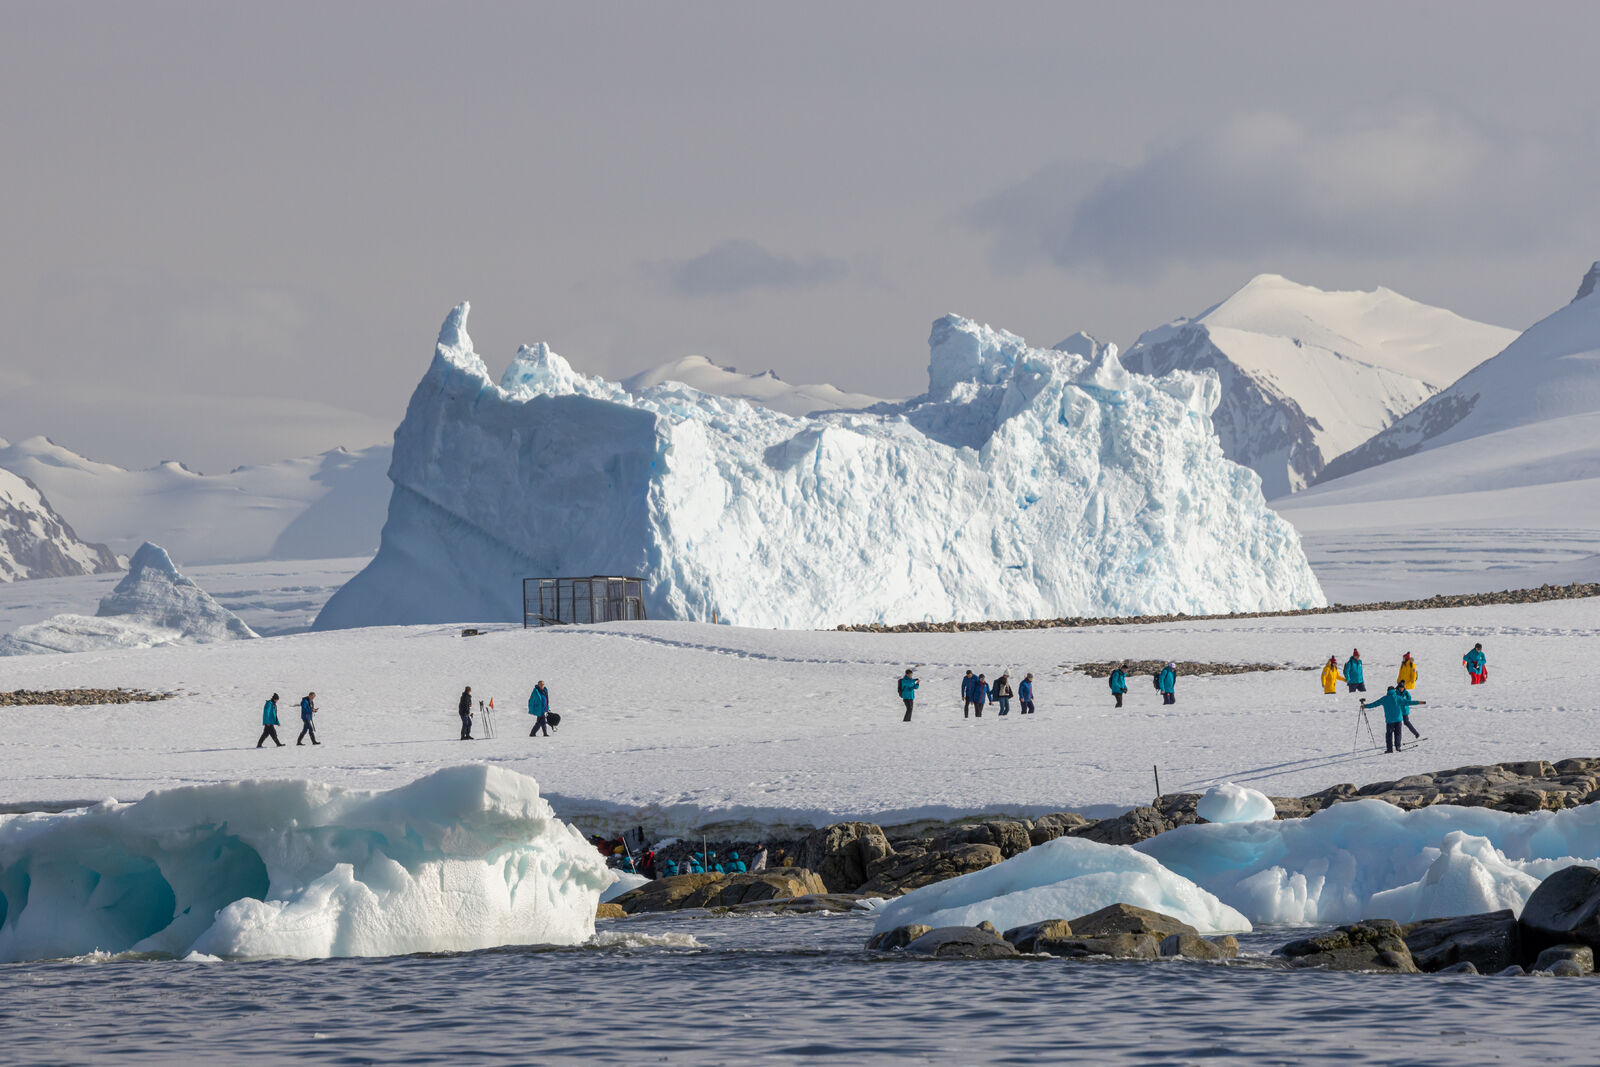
[(1025, 483)]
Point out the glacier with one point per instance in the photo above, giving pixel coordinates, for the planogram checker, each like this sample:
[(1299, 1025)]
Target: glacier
[(154, 604), (466, 858), (1025, 483)]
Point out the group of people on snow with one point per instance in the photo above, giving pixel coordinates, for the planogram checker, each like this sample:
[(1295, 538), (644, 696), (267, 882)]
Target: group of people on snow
[(1398, 701), (538, 707), (977, 692), (270, 724)]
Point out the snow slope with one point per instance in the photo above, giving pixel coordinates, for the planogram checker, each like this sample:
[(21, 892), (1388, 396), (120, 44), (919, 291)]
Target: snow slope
[(1307, 374), (35, 542), (766, 388), (1025, 483), (318, 507), (680, 727), (466, 858), (1493, 484), (153, 605)]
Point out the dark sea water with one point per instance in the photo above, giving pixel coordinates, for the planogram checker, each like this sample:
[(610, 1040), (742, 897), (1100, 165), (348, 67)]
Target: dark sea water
[(686, 989)]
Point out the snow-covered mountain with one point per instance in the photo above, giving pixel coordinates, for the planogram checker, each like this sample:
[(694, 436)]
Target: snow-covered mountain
[(1025, 483), (766, 388), (153, 605), (1492, 484), (318, 507), (1551, 373), (1308, 374), (35, 542)]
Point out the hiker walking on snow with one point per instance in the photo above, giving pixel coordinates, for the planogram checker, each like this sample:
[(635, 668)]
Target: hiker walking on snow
[(308, 709), (1119, 683), (1001, 692), (908, 692), (1025, 694), (539, 708), (1406, 703), (269, 722), (980, 695), (464, 707), (1408, 672), (1331, 676), (968, 684), (1167, 682), (1355, 675), (1393, 716), (1477, 665)]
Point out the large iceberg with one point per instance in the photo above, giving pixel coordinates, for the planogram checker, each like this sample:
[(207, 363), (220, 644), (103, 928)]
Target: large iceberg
[(466, 858), (1025, 483), (1061, 879), (154, 604), (1369, 859)]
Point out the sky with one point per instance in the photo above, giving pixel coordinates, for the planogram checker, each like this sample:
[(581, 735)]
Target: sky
[(231, 231)]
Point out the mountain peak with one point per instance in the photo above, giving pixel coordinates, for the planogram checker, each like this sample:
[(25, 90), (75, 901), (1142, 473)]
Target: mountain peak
[(1590, 282)]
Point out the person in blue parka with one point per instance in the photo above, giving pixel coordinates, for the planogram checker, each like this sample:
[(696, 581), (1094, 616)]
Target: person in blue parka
[(1355, 675), (1393, 715), (1407, 702), (1119, 683), (980, 695), (269, 722), (539, 708), (1167, 682), (1477, 665), (967, 685), (908, 692), (1025, 694), (308, 715)]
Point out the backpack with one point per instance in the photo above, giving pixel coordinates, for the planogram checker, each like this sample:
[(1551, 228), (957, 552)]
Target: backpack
[(1155, 679)]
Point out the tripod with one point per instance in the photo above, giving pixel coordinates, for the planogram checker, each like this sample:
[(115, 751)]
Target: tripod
[(1362, 720)]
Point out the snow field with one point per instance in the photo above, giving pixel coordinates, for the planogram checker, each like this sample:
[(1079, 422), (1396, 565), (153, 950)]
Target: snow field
[(685, 727)]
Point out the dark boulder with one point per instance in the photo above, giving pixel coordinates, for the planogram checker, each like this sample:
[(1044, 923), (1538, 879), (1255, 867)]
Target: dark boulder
[(1369, 945), (1127, 919), (1490, 942), (1565, 909), (961, 942)]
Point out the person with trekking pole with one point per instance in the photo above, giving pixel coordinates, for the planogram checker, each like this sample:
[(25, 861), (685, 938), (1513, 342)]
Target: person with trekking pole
[(908, 691), (308, 711), (1406, 704)]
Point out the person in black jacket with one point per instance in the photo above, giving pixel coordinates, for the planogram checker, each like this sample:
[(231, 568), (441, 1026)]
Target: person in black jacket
[(466, 713)]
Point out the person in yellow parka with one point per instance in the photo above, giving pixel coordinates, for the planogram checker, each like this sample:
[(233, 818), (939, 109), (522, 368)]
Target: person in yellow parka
[(1331, 676), (1408, 672)]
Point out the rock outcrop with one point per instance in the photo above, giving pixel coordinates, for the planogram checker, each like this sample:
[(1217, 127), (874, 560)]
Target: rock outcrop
[(720, 890), (1369, 945)]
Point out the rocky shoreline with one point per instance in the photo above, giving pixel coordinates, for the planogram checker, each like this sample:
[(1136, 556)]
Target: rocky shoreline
[(1575, 591), (836, 867)]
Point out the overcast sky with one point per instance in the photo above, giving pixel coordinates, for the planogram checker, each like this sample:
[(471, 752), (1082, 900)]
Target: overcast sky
[(231, 231)]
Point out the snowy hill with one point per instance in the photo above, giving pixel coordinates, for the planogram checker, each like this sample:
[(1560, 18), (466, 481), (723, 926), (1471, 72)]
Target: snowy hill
[(1307, 374), (1493, 484), (1025, 483), (35, 542), (153, 605), (1550, 373), (766, 388), (318, 507)]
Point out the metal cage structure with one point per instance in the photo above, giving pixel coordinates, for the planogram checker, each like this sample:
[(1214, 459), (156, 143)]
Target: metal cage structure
[(566, 601)]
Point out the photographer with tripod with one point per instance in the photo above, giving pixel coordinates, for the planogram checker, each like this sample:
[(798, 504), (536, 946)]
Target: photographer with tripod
[(1394, 713)]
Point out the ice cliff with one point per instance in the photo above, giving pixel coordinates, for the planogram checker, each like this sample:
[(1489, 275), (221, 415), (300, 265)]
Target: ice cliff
[(154, 604), (467, 858), (1025, 483)]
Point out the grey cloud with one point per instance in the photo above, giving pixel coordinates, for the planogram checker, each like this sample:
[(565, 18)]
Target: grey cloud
[(1264, 185), (738, 266)]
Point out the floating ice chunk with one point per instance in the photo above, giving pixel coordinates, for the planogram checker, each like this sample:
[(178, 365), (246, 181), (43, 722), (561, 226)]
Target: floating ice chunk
[(1061, 879), (468, 857), (1370, 859), (1235, 803), (626, 882)]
